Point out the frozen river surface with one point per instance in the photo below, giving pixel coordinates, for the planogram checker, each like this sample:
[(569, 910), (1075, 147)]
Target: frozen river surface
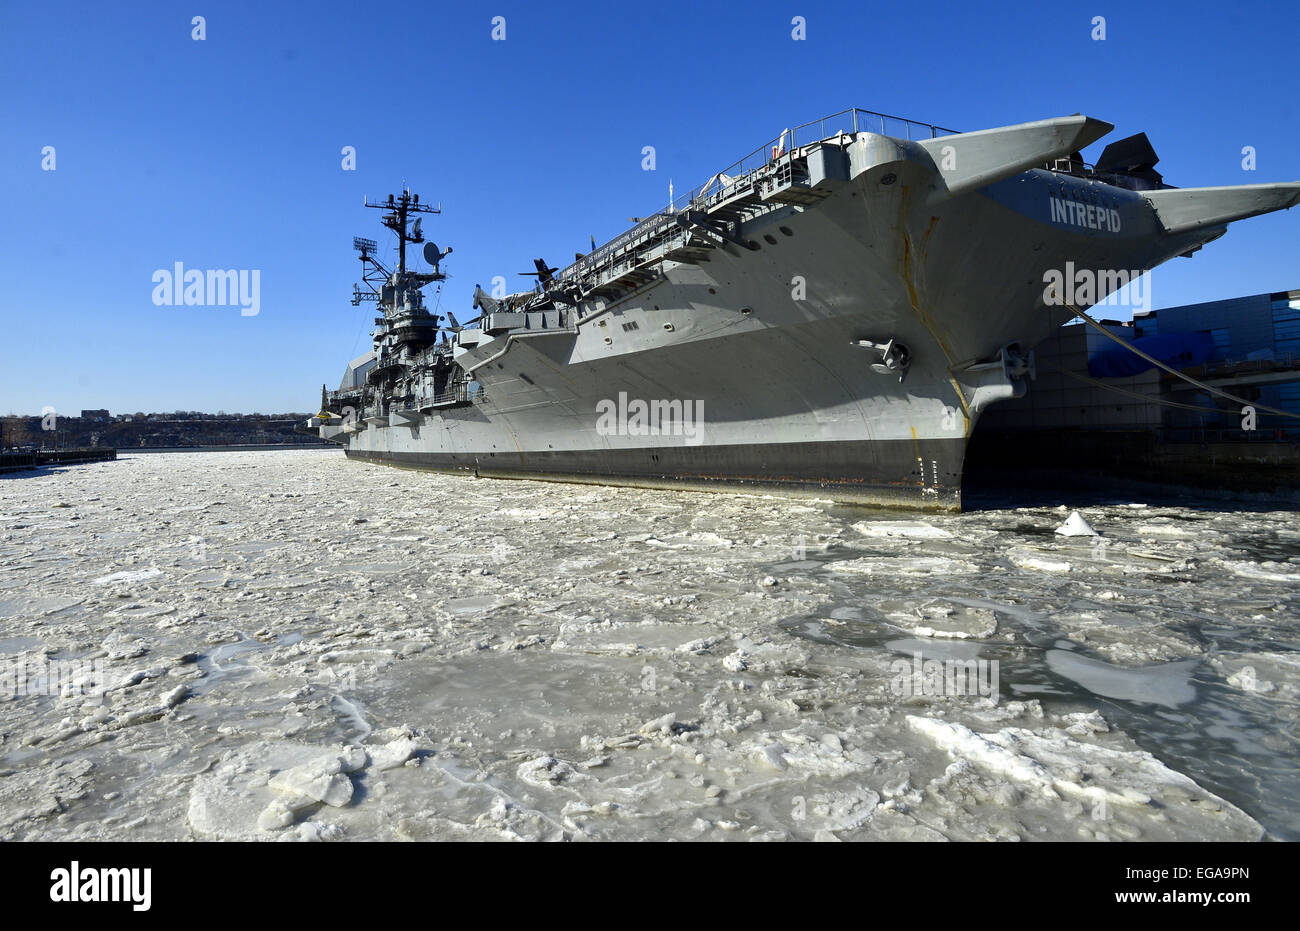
[(288, 645)]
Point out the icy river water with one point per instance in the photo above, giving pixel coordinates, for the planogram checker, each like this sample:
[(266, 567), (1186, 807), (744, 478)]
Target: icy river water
[(288, 645)]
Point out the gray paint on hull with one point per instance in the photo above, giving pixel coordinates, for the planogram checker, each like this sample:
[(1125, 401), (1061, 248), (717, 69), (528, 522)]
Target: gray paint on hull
[(889, 473)]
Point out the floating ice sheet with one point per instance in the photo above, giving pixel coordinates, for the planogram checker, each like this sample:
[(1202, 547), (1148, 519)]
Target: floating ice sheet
[(1168, 684)]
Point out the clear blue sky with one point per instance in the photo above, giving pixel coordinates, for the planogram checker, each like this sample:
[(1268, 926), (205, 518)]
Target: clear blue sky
[(225, 153)]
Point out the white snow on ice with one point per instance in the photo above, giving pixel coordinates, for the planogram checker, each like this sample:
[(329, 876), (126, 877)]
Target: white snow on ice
[(299, 647)]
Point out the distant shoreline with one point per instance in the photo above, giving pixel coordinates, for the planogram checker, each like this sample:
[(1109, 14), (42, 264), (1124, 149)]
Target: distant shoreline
[(134, 450)]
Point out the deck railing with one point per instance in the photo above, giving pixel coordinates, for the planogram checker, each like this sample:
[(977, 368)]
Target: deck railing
[(723, 183)]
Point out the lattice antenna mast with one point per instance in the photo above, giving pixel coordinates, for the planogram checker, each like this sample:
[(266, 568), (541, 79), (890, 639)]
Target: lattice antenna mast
[(400, 210), (373, 272)]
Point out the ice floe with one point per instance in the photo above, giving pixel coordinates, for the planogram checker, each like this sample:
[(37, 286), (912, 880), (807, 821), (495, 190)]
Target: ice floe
[(315, 649), (1168, 684), (1076, 526)]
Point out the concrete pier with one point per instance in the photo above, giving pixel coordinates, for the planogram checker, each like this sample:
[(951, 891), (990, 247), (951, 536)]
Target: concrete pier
[(34, 459)]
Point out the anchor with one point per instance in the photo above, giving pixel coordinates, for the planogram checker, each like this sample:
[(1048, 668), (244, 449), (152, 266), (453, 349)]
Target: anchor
[(894, 356)]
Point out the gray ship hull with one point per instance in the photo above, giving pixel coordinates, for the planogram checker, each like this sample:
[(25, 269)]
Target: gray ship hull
[(845, 471), (769, 332)]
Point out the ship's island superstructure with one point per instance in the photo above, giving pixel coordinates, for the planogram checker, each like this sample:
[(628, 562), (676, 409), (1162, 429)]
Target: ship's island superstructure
[(829, 316)]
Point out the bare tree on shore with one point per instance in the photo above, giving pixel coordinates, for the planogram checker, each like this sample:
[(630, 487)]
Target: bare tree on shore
[(14, 431)]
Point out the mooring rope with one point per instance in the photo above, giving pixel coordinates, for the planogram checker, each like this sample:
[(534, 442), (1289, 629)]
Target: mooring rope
[(1172, 371), (1149, 399)]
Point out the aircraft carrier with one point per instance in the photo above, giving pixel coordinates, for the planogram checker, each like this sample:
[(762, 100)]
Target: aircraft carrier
[(829, 316)]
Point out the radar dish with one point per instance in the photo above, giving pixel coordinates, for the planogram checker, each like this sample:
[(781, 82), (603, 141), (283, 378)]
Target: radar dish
[(431, 253)]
